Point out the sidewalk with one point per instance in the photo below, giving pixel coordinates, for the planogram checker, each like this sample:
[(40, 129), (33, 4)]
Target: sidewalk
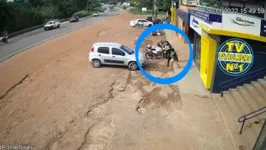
[(198, 104), (191, 83)]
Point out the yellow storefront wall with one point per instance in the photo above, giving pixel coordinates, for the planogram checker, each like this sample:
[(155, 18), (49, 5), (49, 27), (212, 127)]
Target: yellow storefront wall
[(207, 60), (173, 16)]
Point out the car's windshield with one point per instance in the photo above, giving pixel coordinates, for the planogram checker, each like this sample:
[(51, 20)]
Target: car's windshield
[(50, 22), (126, 49)]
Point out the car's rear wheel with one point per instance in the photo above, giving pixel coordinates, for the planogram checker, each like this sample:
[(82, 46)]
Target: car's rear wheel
[(58, 26), (132, 66), (96, 63)]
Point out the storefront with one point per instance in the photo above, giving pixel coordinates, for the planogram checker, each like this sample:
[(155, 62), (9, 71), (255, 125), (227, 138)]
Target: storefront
[(229, 49)]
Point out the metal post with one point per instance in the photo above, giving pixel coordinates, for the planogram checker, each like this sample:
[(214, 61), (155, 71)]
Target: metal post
[(242, 126)]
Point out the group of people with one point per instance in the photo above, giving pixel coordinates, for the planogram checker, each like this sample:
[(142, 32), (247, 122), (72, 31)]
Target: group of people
[(170, 52)]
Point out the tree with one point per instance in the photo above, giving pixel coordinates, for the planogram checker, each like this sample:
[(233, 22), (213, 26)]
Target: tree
[(7, 15), (210, 3)]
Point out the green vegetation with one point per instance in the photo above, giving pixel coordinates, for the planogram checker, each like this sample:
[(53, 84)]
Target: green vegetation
[(82, 13), (210, 3), (21, 14), (162, 6), (138, 11)]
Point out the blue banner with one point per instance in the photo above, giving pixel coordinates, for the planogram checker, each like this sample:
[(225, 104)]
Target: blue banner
[(206, 16)]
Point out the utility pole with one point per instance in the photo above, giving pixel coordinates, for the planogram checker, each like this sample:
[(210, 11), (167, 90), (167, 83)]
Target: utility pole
[(155, 7)]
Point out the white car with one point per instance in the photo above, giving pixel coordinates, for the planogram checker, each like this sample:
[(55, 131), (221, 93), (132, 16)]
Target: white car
[(52, 25), (114, 54), (95, 15), (141, 21)]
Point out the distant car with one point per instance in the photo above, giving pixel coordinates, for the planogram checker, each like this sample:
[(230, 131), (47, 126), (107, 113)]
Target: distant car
[(74, 19), (52, 25), (95, 15), (104, 53), (140, 21)]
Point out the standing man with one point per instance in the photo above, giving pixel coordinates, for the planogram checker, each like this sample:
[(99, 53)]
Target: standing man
[(172, 58)]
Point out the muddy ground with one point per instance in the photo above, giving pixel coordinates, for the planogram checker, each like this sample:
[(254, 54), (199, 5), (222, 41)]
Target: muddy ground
[(65, 104)]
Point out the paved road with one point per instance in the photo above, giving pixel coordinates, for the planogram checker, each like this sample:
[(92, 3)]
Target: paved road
[(30, 39)]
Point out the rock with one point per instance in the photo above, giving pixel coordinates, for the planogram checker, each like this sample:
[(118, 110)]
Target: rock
[(134, 82), (142, 110), (121, 89)]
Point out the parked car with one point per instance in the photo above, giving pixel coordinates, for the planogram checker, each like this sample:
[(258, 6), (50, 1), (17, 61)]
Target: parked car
[(52, 25), (141, 21), (95, 15), (104, 53), (74, 19)]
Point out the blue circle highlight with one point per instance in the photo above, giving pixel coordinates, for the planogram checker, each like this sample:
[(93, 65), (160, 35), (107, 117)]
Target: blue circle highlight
[(169, 80)]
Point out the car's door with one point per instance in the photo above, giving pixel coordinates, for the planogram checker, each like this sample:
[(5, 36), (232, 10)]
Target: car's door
[(139, 22), (52, 24), (118, 56), (146, 23), (104, 55)]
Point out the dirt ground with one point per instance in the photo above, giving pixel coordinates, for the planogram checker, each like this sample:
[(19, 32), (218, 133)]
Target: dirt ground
[(64, 103)]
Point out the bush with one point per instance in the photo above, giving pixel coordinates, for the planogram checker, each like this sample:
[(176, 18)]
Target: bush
[(82, 13), (100, 9), (124, 7)]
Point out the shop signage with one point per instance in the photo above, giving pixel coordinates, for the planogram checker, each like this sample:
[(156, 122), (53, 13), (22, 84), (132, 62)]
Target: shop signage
[(263, 28), (205, 15), (241, 23), (195, 23), (200, 14), (235, 57)]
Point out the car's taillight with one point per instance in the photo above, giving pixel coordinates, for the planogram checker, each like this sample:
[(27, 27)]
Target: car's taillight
[(92, 49)]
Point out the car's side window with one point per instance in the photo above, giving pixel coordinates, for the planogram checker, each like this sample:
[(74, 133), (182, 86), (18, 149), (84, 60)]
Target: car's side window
[(103, 50), (116, 51)]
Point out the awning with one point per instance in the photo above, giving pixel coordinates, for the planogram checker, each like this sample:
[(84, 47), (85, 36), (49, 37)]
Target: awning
[(183, 15)]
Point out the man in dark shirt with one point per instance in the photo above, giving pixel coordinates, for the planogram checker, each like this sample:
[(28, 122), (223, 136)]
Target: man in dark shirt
[(172, 58)]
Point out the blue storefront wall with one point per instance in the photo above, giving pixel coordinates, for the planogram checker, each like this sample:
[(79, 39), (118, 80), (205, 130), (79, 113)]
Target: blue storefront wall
[(223, 81), (183, 15)]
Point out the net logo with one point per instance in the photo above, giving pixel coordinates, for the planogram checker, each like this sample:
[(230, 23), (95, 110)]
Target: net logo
[(235, 57), (195, 23), (242, 22)]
